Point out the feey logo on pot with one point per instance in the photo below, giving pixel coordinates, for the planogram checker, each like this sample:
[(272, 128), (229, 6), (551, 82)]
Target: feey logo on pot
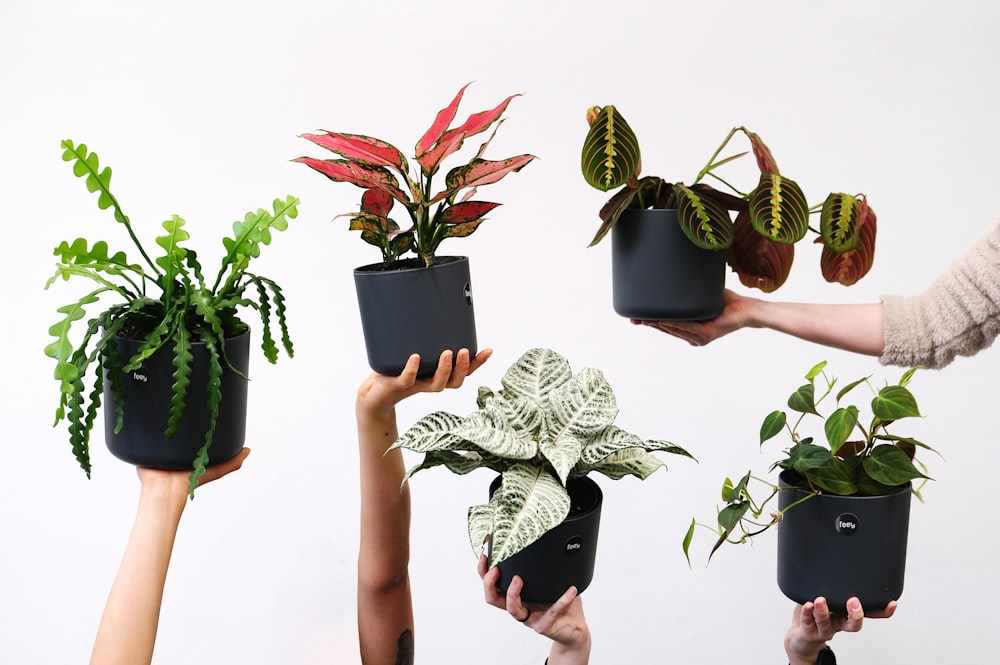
[(847, 524), (574, 545)]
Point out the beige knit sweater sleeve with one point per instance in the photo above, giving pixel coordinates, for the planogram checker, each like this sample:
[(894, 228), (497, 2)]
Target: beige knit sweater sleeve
[(958, 315)]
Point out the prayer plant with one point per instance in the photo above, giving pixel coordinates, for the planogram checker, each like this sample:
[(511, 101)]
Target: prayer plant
[(856, 460), (449, 212), (543, 427), (770, 218), (165, 302)]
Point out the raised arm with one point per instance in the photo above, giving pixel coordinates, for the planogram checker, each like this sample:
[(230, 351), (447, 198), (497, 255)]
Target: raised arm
[(127, 632), (385, 609)]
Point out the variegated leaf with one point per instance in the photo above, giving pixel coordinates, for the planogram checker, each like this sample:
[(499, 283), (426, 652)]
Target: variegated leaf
[(583, 406), (452, 140), (629, 462), (706, 223), (611, 440), (489, 430), (562, 453), (610, 156), (848, 267), (434, 431), (441, 123), (377, 202), (778, 209), (480, 527), (522, 413), (362, 175), (529, 502), (838, 225), (362, 149), (536, 373), (765, 160), (468, 211), (480, 172), (759, 262)]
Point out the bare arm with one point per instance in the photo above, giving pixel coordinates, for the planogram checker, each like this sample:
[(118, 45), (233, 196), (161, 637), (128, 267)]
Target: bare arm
[(385, 609), (858, 328), (127, 632)]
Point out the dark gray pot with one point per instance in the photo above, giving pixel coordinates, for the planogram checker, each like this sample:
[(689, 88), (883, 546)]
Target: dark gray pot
[(565, 556), (415, 310), (659, 275), (843, 546), (147, 394)]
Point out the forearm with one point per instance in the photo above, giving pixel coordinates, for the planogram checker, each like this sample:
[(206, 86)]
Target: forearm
[(127, 632), (856, 328), (577, 653), (385, 615)]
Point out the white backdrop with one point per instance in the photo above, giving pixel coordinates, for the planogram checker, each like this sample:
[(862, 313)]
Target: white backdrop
[(197, 107)]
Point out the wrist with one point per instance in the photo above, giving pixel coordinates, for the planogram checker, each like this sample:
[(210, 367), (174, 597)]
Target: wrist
[(576, 652), (807, 655)]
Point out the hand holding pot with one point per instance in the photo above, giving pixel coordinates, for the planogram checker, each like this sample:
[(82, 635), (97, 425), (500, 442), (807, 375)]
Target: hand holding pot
[(563, 622), (813, 625)]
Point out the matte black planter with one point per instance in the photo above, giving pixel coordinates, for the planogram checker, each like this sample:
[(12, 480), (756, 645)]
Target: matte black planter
[(658, 274), (415, 310), (566, 555), (843, 546), (147, 394)]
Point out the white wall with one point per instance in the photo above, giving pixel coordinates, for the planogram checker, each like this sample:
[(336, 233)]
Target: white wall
[(197, 107)]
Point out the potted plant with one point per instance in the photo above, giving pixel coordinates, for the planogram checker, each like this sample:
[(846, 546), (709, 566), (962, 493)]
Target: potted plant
[(843, 499), (420, 303), (649, 218), (170, 357), (544, 431)]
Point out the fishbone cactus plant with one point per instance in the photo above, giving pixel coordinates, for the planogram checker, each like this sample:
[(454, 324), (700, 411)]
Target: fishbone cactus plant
[(770, 219), (373, 165), (545, 426), (183, 309)]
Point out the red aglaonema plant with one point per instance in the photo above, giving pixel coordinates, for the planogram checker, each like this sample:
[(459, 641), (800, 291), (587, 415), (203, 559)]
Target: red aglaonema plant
[(450, 212), (770, 219)]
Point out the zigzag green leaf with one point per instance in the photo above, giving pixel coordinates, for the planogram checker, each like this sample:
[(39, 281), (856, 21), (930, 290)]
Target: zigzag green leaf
[(182, 379), (214, 398)]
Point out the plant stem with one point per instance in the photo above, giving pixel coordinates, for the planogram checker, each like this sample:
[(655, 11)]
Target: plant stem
[(711, 162)]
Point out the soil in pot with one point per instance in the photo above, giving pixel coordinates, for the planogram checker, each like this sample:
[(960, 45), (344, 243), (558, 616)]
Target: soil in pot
[(147, 393), (566, 555), (842, 546), (407, 308)]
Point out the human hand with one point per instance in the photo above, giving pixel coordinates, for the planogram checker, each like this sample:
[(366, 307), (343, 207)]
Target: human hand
[(379, 394), (562, 622), (177, 482), (735, 315), (813, 625)]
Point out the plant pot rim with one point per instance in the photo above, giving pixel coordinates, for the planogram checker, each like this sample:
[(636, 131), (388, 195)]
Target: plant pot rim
[(784, 484), (382, 267), (194, 341)]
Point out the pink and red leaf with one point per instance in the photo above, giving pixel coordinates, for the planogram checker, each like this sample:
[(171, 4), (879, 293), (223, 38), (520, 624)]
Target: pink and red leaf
[(355, 173), (364, 149), (466, 212), (441, 123), (480, 172), (451, 140)]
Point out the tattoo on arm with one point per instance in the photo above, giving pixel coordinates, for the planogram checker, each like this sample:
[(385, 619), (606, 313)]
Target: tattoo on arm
[(404, 655)]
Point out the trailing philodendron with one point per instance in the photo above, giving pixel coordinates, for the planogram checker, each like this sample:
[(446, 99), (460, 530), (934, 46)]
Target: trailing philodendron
[(544, 427), (852, 459), (435, 215), (770, 218), (166, 304)]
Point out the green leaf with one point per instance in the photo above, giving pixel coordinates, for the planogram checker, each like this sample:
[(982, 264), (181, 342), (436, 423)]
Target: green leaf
[(773, 423), (815, 370), (629, 462), (213, 390), (839, 426), (688, 537), (182, 379), (835, 477), (849, 387), (890, 466), (893, 403), (807, 456), (803, 400), (839, 222)]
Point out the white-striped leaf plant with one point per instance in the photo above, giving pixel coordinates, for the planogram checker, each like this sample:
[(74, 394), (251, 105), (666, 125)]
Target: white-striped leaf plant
[(849, 458), (769, 219), (543, 427), (166, 301), (384, 173)]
